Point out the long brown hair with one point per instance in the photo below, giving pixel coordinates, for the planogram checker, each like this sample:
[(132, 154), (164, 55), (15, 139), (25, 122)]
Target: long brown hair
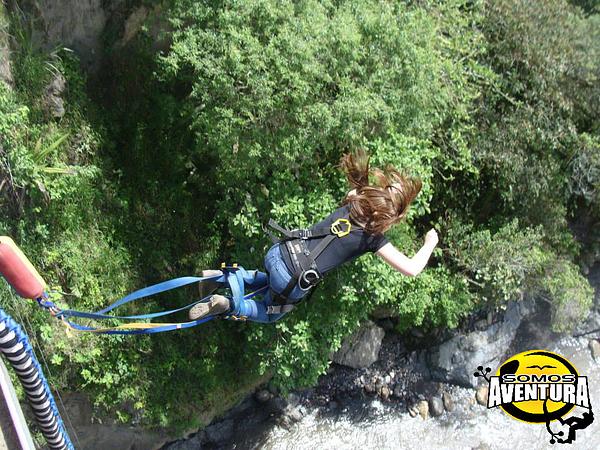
[(378, 206)]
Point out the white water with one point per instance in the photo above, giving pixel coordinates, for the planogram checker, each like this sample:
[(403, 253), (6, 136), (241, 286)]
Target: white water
[(377, 426)]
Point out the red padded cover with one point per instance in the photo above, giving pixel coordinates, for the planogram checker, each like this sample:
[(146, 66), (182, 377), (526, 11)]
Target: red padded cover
[(18, 271)]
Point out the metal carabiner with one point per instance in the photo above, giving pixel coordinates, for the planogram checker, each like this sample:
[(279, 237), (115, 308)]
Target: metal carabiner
[(308, 279), (337, 229)]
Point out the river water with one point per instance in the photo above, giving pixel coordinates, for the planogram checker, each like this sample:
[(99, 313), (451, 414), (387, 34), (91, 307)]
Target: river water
[(373, 425)]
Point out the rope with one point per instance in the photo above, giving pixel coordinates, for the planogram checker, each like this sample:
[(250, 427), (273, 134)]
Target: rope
[(15, 346)]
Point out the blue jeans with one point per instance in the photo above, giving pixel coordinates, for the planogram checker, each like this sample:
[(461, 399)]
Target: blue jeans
[(278, 279)]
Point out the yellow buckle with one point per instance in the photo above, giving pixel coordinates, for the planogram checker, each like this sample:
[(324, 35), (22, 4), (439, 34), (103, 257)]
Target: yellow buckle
[(237, 318), (338, 231)]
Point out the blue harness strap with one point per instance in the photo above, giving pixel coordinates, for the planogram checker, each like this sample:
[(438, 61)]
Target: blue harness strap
[(157, 289), (139, 294), (234, 277)]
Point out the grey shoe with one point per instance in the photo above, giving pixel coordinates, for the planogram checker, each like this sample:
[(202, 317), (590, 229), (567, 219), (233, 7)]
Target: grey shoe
[(217, 304), (205, 288)]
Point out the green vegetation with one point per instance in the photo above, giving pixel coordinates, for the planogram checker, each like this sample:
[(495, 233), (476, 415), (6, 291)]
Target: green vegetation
[(176, 163)]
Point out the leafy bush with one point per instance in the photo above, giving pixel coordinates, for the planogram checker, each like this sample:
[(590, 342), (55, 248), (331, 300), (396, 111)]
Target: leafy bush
[(56, 202), (514, 261), (569, 294), (585, 172), (498, 265)]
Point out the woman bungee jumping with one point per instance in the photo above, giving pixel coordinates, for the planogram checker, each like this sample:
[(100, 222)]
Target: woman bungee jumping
[(298, 261)]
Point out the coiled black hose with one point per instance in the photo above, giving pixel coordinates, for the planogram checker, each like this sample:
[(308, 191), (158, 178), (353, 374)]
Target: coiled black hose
[(15, 346)]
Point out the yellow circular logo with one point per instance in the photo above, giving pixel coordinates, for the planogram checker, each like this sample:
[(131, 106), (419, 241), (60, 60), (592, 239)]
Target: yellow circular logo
[(538, 370), (538, 386)]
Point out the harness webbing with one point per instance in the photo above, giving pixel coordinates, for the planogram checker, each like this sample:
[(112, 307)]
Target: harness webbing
[(306, 272), (234, 278)]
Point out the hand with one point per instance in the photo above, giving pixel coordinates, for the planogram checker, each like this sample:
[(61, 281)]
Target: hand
[(431, 237)]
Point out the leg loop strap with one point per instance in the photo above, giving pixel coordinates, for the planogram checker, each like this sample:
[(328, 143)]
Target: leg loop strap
[(279, 309)]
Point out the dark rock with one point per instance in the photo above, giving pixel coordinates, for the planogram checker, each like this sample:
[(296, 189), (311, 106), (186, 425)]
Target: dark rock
[(243, 407), (387, 325), (361, 349), (308, 393), (220, 431), (455, 360), (194, 442), (276, 405), (436, 406), (426, 389), (417, 333)]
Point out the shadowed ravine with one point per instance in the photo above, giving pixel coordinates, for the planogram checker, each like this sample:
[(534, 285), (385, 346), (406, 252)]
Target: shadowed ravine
[(374, 425)]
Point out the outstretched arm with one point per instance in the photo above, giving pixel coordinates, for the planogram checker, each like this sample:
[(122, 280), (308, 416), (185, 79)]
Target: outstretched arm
[(409, 266)]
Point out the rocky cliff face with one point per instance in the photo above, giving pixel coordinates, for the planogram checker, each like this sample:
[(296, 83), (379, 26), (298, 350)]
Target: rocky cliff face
[(5, 72), (454, 360), (88, 27), (75, 24)]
